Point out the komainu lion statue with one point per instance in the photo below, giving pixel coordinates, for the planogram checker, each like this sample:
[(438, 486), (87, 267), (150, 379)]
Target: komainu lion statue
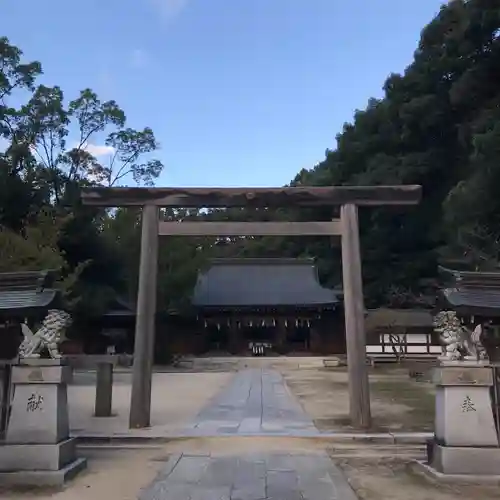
[(49, 336), (459, 343)]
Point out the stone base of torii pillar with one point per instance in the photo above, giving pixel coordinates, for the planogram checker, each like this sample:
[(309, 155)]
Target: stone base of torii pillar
[(38, 450), (466, 441)]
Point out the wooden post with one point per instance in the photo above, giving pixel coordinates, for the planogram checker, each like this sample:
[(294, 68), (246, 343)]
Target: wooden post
[(234, 340), (140, 403), (232, 336), (280, 335), (359, 396), (104, 390)]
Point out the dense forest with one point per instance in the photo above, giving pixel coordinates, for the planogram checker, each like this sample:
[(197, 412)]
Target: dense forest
[(437, 125)]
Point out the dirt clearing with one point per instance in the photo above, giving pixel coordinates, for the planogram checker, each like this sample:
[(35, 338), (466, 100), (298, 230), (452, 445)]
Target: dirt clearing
[(398, 403), (116, 475), (389, 479), (176, 399)]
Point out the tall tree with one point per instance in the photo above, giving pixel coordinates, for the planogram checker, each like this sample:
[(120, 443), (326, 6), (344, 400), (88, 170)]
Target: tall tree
[(53, 148), (437, 125), (17, 195)]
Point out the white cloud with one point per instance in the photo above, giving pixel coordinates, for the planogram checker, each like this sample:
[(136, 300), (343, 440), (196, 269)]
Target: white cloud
[(99, 150), (169, 9), (139, 58)]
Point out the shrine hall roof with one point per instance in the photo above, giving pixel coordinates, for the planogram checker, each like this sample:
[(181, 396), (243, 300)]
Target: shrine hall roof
[(262, 282), (26, 290), (472, 292)]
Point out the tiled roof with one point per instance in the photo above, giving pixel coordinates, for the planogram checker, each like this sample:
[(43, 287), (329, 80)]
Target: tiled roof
[(261, 282), (473, 279), (27, 280), (385, 317), (476, 300), (26, 290), (26, 299), (474, 291), (119, 307)]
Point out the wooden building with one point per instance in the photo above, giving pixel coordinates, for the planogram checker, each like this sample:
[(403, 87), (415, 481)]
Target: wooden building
[(118, 323), (278, 302), (401, 333), (114, 328)]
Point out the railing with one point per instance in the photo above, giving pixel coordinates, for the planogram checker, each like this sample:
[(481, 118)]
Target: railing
[(403, 345)]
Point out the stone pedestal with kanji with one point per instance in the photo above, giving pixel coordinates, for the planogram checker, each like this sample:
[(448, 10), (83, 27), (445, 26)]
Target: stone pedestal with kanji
[(38, 449), (466, 439)]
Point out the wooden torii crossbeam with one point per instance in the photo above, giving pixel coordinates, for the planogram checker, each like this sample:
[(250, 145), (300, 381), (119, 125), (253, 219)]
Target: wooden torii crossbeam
[(348, 197), (252, 197)]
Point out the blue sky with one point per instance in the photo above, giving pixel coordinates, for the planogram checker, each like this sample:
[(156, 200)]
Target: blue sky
[(238, 92)]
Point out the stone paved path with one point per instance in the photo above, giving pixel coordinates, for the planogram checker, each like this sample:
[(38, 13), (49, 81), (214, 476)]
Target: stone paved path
[(256, 402), (250, 477)]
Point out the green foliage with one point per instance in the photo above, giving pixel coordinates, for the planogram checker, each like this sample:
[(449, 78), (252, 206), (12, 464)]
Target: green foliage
[(36, 248), (438, 125), (53, 149), (179, 259), (33, 249)]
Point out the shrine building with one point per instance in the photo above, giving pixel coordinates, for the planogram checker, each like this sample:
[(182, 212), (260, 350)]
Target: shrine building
[(279, 302)]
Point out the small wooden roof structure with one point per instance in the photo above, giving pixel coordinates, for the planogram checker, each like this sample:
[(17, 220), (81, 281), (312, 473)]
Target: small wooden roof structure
[(27, 292), (243, 283), (119, 308), (473, 293)]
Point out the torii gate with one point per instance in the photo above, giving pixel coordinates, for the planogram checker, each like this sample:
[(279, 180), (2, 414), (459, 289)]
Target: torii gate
[(348, 197)]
